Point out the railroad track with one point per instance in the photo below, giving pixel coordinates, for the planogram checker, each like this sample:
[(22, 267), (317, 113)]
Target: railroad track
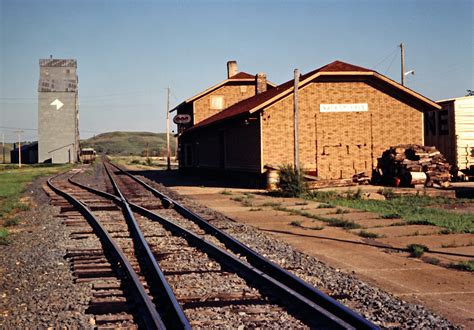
[(188, 272)]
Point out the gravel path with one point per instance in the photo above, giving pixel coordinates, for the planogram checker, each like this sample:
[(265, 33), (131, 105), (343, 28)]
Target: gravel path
[(36, 285)]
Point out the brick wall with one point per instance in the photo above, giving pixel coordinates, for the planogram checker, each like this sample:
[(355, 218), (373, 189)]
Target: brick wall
[(232, 94), (337, 145)]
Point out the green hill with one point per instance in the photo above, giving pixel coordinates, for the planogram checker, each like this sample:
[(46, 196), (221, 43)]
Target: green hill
[(130, 143)]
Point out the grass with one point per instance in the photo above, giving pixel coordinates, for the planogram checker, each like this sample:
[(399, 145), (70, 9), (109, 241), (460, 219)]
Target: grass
[(130, 143), (271, 204), (467, 266), (333, 222), (433, 261), (296, 223), (225, 192), (3, 236), (341, 211), (245, 201), (411, 209), (11, 222), (325, 206), (367, 234), (13, 184), (254, 209), (417, 250)]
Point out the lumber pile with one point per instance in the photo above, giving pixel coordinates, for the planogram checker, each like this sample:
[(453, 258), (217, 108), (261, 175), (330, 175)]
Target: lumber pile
[(410, 164)]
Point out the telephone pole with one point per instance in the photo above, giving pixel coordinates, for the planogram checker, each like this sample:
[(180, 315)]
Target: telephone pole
[(3, 147), (295, 119), (168, 150), (19, 147), (402, 57)]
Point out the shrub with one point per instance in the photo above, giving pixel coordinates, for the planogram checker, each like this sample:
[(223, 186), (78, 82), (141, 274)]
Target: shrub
[(391, 216), (225, 192), (417, 250), (135, 162), (149, 161), (296, 223), (433, 261), (292, 183)]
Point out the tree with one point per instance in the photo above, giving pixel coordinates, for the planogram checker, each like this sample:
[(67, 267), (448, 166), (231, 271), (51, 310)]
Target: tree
[(470, 92)]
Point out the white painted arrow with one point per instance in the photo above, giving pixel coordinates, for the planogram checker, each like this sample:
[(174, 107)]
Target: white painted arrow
[(58, 104)]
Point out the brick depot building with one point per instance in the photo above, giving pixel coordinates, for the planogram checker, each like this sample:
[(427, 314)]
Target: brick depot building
[(347, 117)]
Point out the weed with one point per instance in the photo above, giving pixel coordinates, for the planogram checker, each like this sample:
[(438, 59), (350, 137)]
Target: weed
[(237, 199), (417, 250), (135, 162), (387, 192), (449, 245), (354, 195), (301, 203), (253, 209), (292, 183), (368, 234), (341, 211), (149, 161), (467, 266), (423, 222), (296, 223), (271, 204), (343, 224), (249, 195), (11, 222), (433, 261), (445, 232), (4, 236), (225, 192), (325, 206), (391, 216), (316, 227)]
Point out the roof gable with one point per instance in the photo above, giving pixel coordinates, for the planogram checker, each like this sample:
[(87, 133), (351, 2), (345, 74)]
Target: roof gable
[(340, 68)]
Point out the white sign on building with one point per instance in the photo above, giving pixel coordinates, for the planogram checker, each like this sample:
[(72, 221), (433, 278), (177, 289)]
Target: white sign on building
[(343, 107)]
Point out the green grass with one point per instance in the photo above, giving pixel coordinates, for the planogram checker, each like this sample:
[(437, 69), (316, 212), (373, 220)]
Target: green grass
[(3, 236), (411, 209), (467, 266), (13, 184), (333, 222), (367, 234), (226, 192)]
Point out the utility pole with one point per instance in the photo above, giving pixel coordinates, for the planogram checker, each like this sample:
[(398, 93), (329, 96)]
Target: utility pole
[(295, 119), (402, 57), (3, 147), (19, 147), (168, 150)]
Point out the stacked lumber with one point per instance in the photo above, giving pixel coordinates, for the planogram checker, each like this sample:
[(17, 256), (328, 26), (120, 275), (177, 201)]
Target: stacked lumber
[(411, 164)]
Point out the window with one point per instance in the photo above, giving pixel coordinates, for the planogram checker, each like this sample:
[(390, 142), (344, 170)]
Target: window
[(217, 102)]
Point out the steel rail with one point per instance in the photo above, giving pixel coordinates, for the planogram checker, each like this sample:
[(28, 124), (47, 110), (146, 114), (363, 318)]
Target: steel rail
[(148, 312), (297, 301), (255, 259), (172, 314)]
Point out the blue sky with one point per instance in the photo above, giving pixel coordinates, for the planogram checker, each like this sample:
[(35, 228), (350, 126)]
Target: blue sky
[(128, 52)]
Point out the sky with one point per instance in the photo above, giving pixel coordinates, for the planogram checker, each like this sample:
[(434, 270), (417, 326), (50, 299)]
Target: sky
[(129, 52)]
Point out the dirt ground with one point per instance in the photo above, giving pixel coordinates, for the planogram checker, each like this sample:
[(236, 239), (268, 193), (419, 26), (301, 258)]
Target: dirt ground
[(446, 291)]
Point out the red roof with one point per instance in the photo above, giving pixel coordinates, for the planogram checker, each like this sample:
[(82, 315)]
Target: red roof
[(247, 105), (242, 75)]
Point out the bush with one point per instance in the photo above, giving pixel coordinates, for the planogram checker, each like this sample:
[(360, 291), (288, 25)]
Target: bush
[(292, 183), (467, 266), (367, 234), (417, 250)]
